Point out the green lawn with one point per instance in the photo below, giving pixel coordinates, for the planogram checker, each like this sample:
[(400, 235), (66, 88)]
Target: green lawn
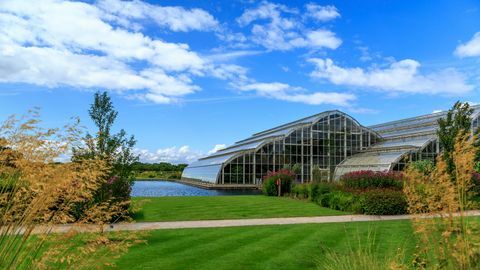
[(225, 207), (262, 247)]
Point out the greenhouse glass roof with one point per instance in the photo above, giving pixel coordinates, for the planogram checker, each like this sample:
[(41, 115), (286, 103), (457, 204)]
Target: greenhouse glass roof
[(378, 147)]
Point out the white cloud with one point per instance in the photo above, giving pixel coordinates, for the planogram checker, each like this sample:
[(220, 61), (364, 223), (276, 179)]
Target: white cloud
[(175, 18), (402, 76), (54, 43), (174, 155), (227, 56), (437, 111), (278, 27), (289, 93), (322, 13), (469, 49), (323, 38), (216, 148)]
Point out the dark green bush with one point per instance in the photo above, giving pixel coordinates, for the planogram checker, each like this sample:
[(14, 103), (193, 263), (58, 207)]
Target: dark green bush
[(384, 202), (361, 180)]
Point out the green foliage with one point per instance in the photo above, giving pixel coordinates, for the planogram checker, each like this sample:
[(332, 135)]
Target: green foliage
[(162, 170), (300, 191), (340, 200), (116, 149), (384, 202), (361, 180), (167, 175), (158, 167), (457, 121), (424, 166), (363, 201), (270, 187)]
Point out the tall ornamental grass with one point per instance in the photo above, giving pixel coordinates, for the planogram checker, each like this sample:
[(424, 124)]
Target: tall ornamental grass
[(37, 192), (448, 240)]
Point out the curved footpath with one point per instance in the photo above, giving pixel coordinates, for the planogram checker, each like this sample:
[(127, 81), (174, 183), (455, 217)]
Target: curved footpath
[(141, 226)]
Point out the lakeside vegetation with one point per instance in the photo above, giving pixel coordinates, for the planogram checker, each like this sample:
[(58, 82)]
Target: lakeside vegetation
[(224, 207), (162, 170)]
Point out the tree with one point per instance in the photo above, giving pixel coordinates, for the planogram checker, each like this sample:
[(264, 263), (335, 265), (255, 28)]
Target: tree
[(115, 149), (457, 122)]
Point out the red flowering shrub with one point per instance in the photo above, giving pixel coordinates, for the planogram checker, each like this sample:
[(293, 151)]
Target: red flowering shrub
[(284, 176), (373, 179)]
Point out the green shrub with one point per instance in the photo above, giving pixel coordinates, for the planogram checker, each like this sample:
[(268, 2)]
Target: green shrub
[(318, 189), (285, 177), (340, 200), (301, 191), (270, 187), (384, 202), (362, 180)]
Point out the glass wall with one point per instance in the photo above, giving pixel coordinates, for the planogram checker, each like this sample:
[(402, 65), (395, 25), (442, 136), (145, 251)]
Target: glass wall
[(321, 145)]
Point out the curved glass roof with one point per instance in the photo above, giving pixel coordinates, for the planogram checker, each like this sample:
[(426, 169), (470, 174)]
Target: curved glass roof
[(238, 147), (406, 132), (212, 160), (409, 141), (208, 168)]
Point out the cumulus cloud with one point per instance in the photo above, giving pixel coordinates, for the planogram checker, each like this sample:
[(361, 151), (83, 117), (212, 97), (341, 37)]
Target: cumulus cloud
[(469, 49), (322, 13), (175, 155), (401, 76), (278, 27), (53, 43), (290, 93), (174, 18)]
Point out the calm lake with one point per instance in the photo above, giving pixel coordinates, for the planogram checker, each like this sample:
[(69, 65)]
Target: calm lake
[(159, 188)]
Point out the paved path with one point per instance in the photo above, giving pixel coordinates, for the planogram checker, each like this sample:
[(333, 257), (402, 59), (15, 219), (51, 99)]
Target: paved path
[(137, 226)]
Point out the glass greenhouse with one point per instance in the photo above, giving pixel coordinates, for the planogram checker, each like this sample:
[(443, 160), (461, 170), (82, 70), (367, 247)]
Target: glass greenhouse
[(322, 147)]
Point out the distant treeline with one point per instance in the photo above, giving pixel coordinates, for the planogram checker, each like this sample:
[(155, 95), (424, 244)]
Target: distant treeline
[(162, 170), (158, 167)]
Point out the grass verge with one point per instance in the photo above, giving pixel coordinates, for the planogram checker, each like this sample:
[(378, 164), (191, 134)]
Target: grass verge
[(264, 247), (225, 207)]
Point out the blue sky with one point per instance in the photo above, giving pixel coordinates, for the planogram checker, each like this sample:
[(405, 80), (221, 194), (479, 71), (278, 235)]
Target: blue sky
[(189, 76)]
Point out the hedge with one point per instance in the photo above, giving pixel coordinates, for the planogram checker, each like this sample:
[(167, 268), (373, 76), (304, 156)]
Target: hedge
[(384, 202)]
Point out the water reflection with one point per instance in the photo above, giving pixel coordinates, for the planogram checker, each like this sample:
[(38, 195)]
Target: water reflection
[(159, 188)]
